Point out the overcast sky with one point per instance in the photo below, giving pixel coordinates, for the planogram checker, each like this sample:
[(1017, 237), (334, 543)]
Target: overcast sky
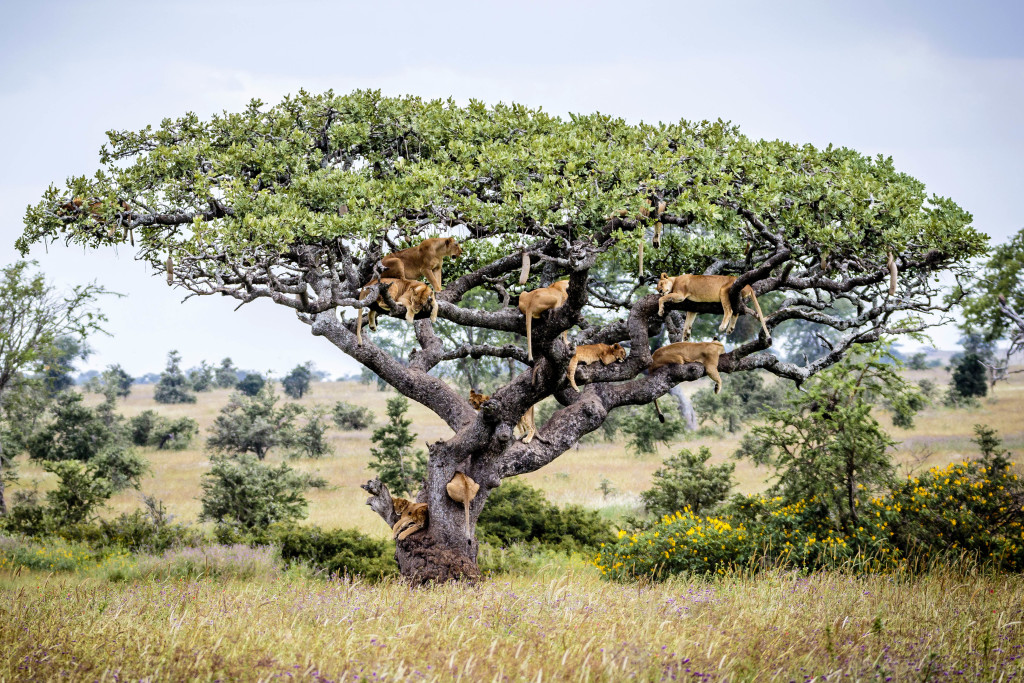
[(939, 86)]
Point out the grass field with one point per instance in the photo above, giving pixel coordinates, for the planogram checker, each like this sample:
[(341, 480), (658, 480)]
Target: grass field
[(237, 614)]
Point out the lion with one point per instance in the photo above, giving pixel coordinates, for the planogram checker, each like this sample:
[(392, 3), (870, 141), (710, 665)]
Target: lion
[(526, 424), (412, 294), (705, 353), (708, 289), (423, 260), (462, 489), (411, 518), (535, 302), (592, 353)]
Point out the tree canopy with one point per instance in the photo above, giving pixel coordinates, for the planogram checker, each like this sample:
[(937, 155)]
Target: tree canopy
[(298, 202)]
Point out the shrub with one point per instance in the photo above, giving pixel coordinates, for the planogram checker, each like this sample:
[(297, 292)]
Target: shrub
[(399, 467), (348, 416), (51, 554), (80, 490), (962, 508), (991, 447), (173, 386), (970, 377), (149, 428), (516, 512), (245, 493), (825, 444), (76, 432), (121, 466), (251, 384), (252, 424), (918, 361), (308, 440), (686, 481), (342, 552), (113, 383), (646, 430)]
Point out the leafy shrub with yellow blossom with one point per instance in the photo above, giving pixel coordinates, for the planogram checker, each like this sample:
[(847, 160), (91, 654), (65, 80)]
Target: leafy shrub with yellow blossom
[(975, 507), (968, 508)]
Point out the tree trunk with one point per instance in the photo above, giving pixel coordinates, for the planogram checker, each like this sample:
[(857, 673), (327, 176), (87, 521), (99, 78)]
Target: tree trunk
[(3, 503), (686, 410), (441, 551)]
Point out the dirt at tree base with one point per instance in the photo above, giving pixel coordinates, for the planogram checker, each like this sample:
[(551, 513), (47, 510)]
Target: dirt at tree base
[(422, 560)]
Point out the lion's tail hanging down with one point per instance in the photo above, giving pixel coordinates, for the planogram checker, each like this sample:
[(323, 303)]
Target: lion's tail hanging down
[(890, 263), (657, 409), (529, 336)]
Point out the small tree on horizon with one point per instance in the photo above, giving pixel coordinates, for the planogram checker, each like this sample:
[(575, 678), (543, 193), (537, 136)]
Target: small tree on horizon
[(173, 386), (226, 375), (398, 466), (251, 384), (202, 378), (296, 382)]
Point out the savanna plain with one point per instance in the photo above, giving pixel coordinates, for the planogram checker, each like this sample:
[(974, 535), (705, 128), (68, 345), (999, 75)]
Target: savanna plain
[(249, 617)]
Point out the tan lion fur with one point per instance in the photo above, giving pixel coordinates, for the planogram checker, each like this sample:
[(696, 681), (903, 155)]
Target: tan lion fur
[(707, 289), (412, 294), (705, 353), (423, 260), (592, 353), (526, 424), (462, 489), (532, 304), (411, 518)]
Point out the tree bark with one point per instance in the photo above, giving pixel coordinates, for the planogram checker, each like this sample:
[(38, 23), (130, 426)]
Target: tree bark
[(443, 550), (3, 502)]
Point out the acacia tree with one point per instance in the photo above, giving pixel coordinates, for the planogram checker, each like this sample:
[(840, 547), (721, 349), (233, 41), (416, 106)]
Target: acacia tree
[(297, 203)]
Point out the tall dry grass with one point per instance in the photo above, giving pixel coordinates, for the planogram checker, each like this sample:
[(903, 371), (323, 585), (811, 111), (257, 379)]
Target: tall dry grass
[(556, 624)]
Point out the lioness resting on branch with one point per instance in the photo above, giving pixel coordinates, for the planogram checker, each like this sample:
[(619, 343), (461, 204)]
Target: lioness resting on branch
[(707, 289), (410, 293), (705, 353), (592, 353)]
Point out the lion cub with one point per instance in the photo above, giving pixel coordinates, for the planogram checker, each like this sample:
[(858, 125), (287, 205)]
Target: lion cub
[(411, 518), (526, 424), (707, 289), (705, 353), (592, 353), (412, 294), (423, 260), (533, 303)]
